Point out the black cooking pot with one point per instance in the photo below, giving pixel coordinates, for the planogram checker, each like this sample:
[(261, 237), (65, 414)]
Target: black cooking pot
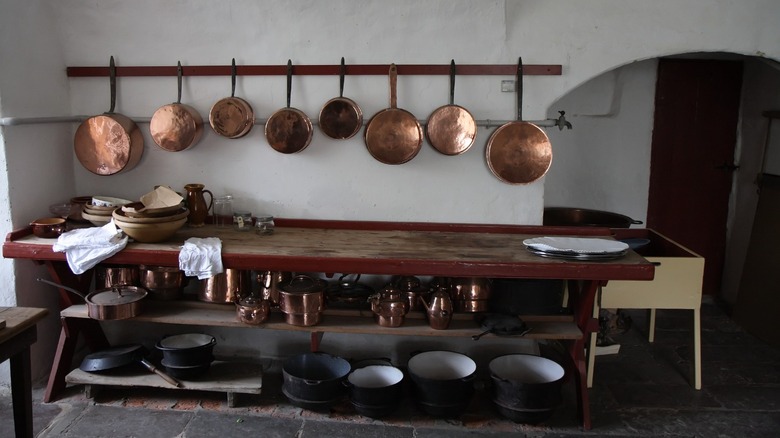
[(526, 388), (443, 381), (375, 390), (187, 350), (581, 217), (314, 380)]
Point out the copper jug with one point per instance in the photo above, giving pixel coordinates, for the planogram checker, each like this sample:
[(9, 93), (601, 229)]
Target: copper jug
[(196, 203), (439, 309)]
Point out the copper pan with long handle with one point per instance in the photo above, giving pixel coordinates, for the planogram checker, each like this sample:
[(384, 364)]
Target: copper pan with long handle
[(288, 130), (393, 135), (519, 152), (451, 129), (109, 143), (176, 127), (341, 118), (232, 117)]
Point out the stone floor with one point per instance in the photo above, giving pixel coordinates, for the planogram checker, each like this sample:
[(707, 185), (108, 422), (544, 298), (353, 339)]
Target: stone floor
[(642, 391)]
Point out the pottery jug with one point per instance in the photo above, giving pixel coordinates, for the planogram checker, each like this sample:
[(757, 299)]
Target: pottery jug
[(439, 309), (196, 203)]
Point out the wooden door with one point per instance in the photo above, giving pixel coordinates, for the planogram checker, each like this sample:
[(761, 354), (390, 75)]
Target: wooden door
[(692, 161)]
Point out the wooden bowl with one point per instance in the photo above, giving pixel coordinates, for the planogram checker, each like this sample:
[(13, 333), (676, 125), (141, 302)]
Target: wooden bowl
[(136, 209), (151, 233), (97, 220), (121, 216)]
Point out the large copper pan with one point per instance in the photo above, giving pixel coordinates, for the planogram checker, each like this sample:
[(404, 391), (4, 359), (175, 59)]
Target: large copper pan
[(519, 152), (232, 117), (341, 118), (109, 143), (288, 130), (176, 127), (393, 135), (451, 129)]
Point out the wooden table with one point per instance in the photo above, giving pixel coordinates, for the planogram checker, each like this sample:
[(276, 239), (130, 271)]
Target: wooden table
[(383, 248), (19, 333)]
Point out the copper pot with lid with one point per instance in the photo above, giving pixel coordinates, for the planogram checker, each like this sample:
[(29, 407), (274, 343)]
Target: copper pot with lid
[(118, 302), (232, 117), (109, 143), (390, 307), (302, 300), (252, 310), (176, 127)]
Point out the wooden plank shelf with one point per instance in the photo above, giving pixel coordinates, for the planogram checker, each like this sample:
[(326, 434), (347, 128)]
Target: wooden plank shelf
[(333, 321)]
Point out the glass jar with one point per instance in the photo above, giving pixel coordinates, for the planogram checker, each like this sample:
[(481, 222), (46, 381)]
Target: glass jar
[(264, 225), (223, 211), (242, 220)]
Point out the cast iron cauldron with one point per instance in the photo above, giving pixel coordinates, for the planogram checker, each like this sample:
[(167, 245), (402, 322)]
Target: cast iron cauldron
[(526, 388), (443, 381), (375, 390), (581, 217), (314, 380), (187, 350)]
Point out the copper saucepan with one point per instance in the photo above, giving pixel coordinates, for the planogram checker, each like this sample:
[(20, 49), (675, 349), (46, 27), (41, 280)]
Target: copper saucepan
[(176, 127), (288, 130), (232, 117), (109, 143), (117, 302), (393, 135), (451, 129), (519, 152), (341, 118)]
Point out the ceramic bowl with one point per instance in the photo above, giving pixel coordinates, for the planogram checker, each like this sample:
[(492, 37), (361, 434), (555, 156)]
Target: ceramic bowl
[(120, 215), (109, 201), (48, 227), (151, 233), (97, 220)]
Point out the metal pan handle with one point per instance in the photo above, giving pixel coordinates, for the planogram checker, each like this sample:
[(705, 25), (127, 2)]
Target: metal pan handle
[(519, 88)]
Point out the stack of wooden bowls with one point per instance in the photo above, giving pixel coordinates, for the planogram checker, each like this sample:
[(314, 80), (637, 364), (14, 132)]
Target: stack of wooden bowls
[(98, 209), (150, 225)]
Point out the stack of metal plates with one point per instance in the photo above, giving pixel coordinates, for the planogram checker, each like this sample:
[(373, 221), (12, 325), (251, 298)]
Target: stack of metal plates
[(576, 248)]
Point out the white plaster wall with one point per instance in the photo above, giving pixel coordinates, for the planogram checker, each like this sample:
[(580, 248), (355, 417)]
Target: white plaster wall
[(330, 179)]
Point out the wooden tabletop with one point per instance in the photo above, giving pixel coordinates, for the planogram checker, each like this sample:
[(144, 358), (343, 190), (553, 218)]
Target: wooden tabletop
[(17, 319), (373, 248)]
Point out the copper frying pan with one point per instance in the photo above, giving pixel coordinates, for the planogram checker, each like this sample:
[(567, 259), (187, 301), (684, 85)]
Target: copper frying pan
[(232, 117), (451, 129), (176, 127), (393, 135), (109, 143), (519, 152), (288, 130), (341, 118)]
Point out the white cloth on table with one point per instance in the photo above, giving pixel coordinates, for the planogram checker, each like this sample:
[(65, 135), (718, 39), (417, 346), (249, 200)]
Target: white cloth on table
[(201, 257), (86, 247)]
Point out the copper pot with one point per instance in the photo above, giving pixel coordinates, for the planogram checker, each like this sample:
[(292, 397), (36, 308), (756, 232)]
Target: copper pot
[(288, 130), (472, 306), (269, 282), (393, 135), (226, 287), (176, 127), (162, 282), (471, 288), (109, 276), (390, 307), (301, 295), (118, 302), (451, 129), (109, 143), (232, 117), (252, 310), (341, 118), (303, 319), (519, 152)]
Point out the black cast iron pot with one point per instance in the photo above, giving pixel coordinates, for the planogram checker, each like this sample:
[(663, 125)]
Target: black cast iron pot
[(526, 388), (443, 381), (187, 350), (314, 380), (375, 390)]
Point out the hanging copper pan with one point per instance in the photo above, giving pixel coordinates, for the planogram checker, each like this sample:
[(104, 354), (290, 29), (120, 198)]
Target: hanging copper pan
[(341, 118), (393, 135), (176, 127), (109, 143), (451, 129), (519, 152), (232, 117), (288, 130)]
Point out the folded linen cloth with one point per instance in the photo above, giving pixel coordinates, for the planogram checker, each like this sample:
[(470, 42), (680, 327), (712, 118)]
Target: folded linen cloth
[(86, 247), (201, 257)]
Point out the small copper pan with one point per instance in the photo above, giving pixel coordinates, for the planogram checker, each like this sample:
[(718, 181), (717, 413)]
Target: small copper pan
[(519, 152), (288, 130), (109, 143), (232, 117), (451, 129), (176, 127), (341, 118), (393, 135)]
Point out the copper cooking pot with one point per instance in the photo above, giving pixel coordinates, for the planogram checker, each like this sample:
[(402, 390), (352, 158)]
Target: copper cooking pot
[(302, 300), (519, 152), (451, 129), (109, 143), (118, 302), (176, 127), (288, 130), (393, 135), (341, 118), (232, 117), (226, 287), (252, 310), (109, 276)]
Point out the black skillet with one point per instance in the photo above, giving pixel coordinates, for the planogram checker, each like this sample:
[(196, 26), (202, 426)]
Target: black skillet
[(120, 356)]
